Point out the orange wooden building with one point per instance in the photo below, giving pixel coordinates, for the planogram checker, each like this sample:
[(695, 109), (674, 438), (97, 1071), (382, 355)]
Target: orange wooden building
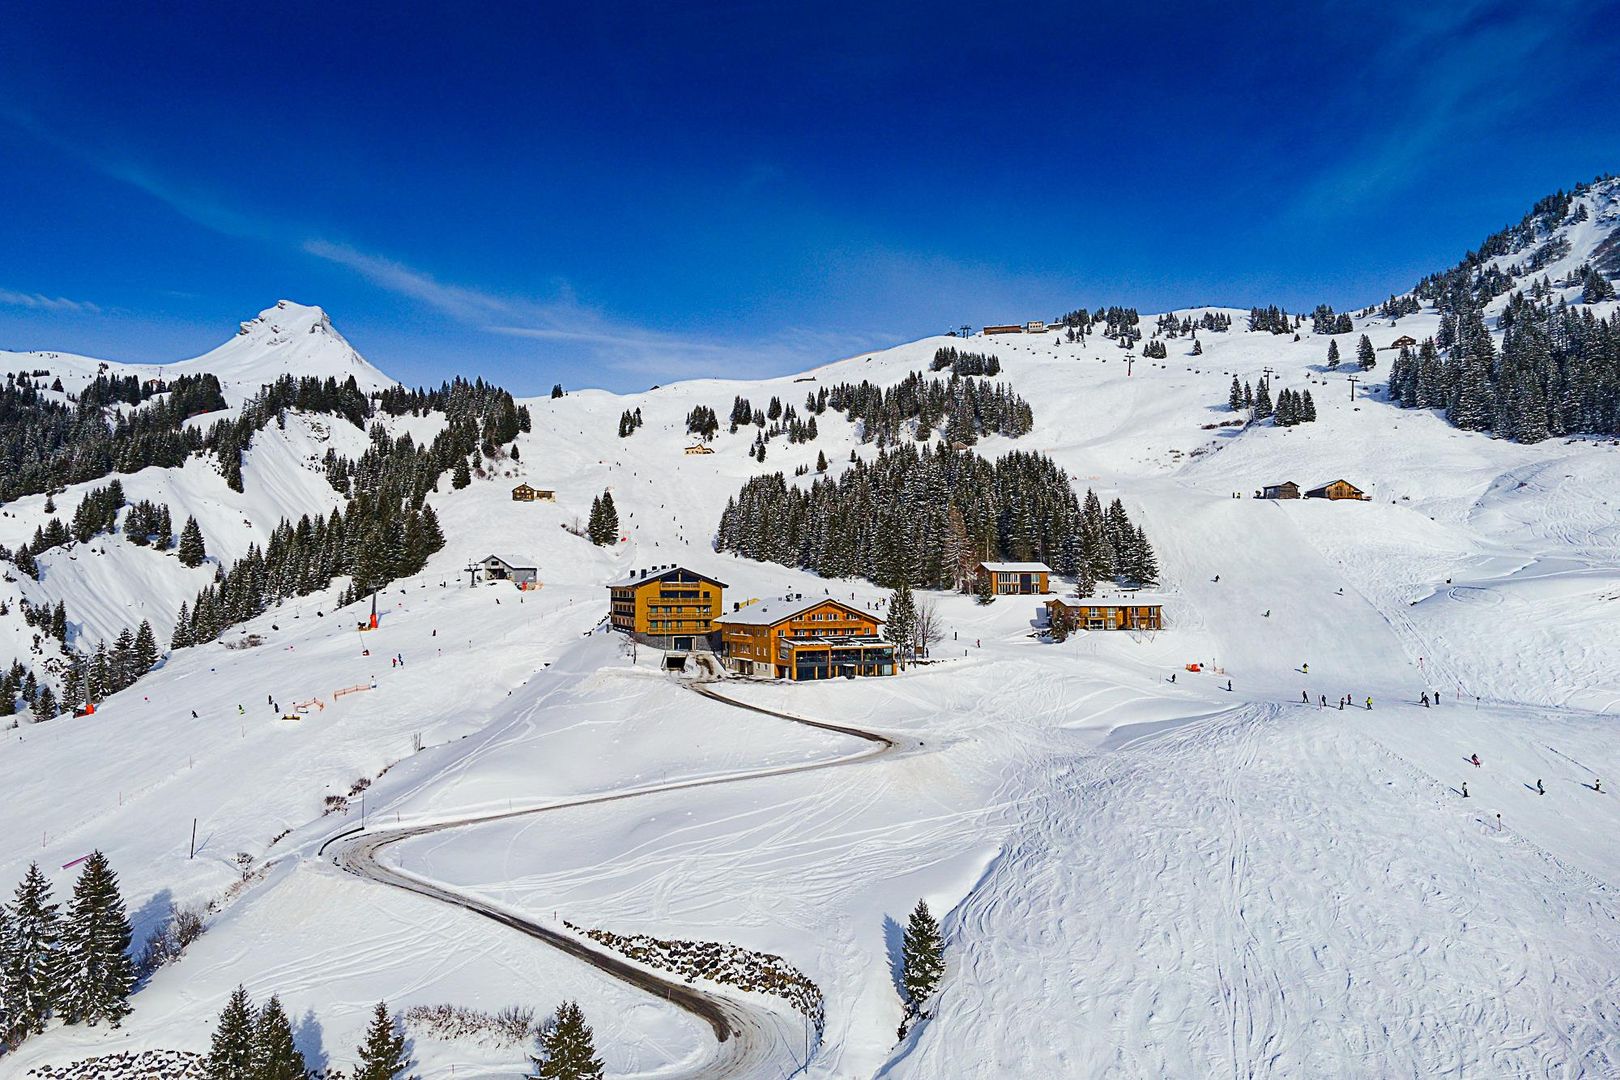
[(1339, 489), (804, 639), (1137, 612), (667, 606), (1016, 578)]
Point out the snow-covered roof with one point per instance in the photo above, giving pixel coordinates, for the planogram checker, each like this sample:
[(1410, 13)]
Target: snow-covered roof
[(515, 564), (1017, 567), (1131, 599), (771, 612), (654, 573)]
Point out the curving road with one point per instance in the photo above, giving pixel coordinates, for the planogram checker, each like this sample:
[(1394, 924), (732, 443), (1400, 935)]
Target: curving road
[(748, 1038)]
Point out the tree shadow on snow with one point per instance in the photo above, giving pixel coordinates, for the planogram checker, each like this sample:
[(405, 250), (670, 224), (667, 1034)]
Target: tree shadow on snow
[(146, 921), (894, 936), (307, 1037)]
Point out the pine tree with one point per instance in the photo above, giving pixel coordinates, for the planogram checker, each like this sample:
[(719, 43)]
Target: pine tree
[(821, 457), (922, 953), (1262, 402), (192, 551), (95, 972), (382, 1055), (1365, 356), (28, 958), (984, 589), (45, 707), (1333, 355), (275, 1057), (461, 475), (1234, 398), (145, 650), (1309, 408), (567, 1049), (902, 619), (610, 520), (1595, 287), (230, 1054), (182, 628)]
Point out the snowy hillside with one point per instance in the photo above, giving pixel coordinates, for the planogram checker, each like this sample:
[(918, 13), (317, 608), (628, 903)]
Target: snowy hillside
[(1142, 870)]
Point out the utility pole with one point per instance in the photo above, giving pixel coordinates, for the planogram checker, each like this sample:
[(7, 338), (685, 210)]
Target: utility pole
[(193, 854), (966, 330), (1130, 358), (1353, 388), (1268, 373)]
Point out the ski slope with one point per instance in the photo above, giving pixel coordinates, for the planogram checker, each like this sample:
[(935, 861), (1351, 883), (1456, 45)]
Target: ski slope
[(1138, 876)]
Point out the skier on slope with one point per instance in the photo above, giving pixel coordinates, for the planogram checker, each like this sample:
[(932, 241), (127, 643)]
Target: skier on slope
[(1539, 789), (1369, 704), (1425, 700), (1305, 668), (1476, 761), (1465, 789), (1305, 696)]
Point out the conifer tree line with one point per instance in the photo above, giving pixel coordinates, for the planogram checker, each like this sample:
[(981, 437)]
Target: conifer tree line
[(629, 421), (925, 517), (1557, 372), (387, 529), (1273, 320), (110, 669), (47, 444), (1325, 321), (252, 1043), (96, 513), (702, 422), (602, 528), (1155, 350), (965, 363), (966, 408), (72, 965), (1172, 326), (1293, 408)]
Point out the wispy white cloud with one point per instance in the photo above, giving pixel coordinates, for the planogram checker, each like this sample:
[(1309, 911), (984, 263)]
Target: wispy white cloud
[(1468, 71), (41, 302), (620, 344)]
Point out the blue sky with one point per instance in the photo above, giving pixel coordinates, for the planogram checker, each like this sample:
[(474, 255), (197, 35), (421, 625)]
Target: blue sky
[(619, 194)]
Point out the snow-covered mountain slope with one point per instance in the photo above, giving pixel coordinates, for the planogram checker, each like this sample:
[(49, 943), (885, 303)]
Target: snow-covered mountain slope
[(1143, 876)]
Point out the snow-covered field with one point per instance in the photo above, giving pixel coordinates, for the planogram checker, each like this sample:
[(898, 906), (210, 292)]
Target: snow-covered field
[(1143, 877)]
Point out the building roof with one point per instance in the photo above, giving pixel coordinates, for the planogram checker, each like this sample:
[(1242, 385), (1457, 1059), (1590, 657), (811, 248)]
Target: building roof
[(515, 564), (658, 573), (1017, 567), (1330, 483), (1284, 483), (1126, 599), (771, 612)]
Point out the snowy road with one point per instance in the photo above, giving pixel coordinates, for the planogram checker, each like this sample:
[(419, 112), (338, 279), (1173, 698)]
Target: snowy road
[(750, 1040)]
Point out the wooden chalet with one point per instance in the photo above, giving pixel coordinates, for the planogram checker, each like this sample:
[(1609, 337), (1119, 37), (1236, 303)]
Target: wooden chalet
[(699, 448), (1035, 327), (1338, 489), (519, 573), (1134, 612), (1285, 490), (668, 606), (1010, 328), (1016, 578), (525, 493), (1405, 341), (804, 640)]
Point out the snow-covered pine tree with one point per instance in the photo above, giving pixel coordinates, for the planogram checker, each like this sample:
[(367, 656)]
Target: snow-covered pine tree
[(1308, 407), (382, 1055), (460, 474), (275, 1057), (567, 1048), (94, 971), (1262, 402), (1333, 355), (1234, 398), (1366, 358), (922, 955), (192, 550), (230, 1054), (28, 958), (610, 520)]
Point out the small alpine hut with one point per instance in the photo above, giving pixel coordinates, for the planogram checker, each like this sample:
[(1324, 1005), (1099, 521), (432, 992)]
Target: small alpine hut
[(1285, 490), (525, 493), (1338, 489), (699, 448), (1016, 578), (522, 575), (1009, 328), (1405, 341)]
